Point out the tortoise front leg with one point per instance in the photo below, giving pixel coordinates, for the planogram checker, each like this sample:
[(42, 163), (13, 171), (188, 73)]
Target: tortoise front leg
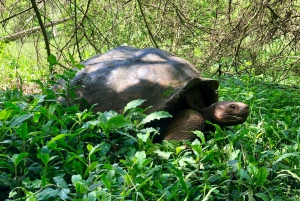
[(181, 126)]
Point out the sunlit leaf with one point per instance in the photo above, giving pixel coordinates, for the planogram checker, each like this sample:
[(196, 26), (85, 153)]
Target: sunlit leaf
[(133, 104)]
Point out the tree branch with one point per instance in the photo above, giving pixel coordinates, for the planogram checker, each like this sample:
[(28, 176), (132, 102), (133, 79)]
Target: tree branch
[(19, 13), (148, 28), (31, 30), (38, 15)]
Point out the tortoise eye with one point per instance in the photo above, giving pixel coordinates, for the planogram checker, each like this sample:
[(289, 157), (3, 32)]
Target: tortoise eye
[(232, 107)]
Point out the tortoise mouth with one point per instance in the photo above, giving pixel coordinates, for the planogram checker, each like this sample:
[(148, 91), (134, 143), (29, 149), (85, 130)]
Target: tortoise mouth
[(231, 113)]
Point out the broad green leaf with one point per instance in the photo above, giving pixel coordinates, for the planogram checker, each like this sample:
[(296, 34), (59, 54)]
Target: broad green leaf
[(163, 154), (17, 158), (12, 194), (22, 131), (119, 122), (92, 149), (92, 166), (133, 104), (75, 179), (77, 166), (155, 116), (81, 187), (92, 196), (200, 135), (20, 119), (129, 136), (179, 149), (141, 156), (143, 137), (79, 66), (63, 193), (263, 196), (44, 150), (245, 175), (47, 193), (52, 60), (106, 181), (4, 114), (44, 180), (60, 182), (44, 157), (51, 109), (89, 147), (59, 137)]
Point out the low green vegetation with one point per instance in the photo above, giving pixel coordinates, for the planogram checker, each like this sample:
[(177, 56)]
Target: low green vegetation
[(52, 151)]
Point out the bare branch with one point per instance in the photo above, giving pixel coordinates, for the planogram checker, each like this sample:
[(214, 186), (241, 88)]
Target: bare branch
[(38, 15), (20, 34)]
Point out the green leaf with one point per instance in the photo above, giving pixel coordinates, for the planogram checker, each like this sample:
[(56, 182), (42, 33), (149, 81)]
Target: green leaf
[(4, 114), (75, 179), (245, 175), (208, 194), (60, 182), (261, 176), (200, 135), (133, 104), (89, 148), (155, 116), (296, 154), (44, 157), (20, 119), (92, 166), (263, 196), (81, 187), (22, 131), (119, 122), (12, 194), (59, 137), (295, 176), (52, 60), (163, 154), (106, 181), (141, 156), (71, 58), (77, 166), (79, 66), (63, 193), (92, 196), (17, 158), (51, 109), (143, 137), (44, 180), (92, 149), (47, 193)]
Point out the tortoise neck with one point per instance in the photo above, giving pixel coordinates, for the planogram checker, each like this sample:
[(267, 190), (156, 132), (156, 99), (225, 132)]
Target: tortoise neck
[(209, 113)]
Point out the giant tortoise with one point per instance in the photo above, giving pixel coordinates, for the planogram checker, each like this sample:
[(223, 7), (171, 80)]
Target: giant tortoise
[(167, 82)]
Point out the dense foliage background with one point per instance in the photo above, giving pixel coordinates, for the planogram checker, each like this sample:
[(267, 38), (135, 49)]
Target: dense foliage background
[(249, 36), (50, 151)]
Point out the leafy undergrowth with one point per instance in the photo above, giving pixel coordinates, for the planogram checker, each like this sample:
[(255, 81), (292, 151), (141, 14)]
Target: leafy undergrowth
[(50, 151)]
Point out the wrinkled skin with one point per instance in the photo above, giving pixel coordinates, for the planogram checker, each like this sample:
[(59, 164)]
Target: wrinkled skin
[(222, 113)]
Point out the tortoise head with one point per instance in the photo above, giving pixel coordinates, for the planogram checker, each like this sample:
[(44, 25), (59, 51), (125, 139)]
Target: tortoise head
[(226, 113)]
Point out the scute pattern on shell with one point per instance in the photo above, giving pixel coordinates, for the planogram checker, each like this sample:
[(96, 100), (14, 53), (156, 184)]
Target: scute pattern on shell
[(125, 73)]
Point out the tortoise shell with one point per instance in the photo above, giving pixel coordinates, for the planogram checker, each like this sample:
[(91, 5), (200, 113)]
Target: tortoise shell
[(125, 73)]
